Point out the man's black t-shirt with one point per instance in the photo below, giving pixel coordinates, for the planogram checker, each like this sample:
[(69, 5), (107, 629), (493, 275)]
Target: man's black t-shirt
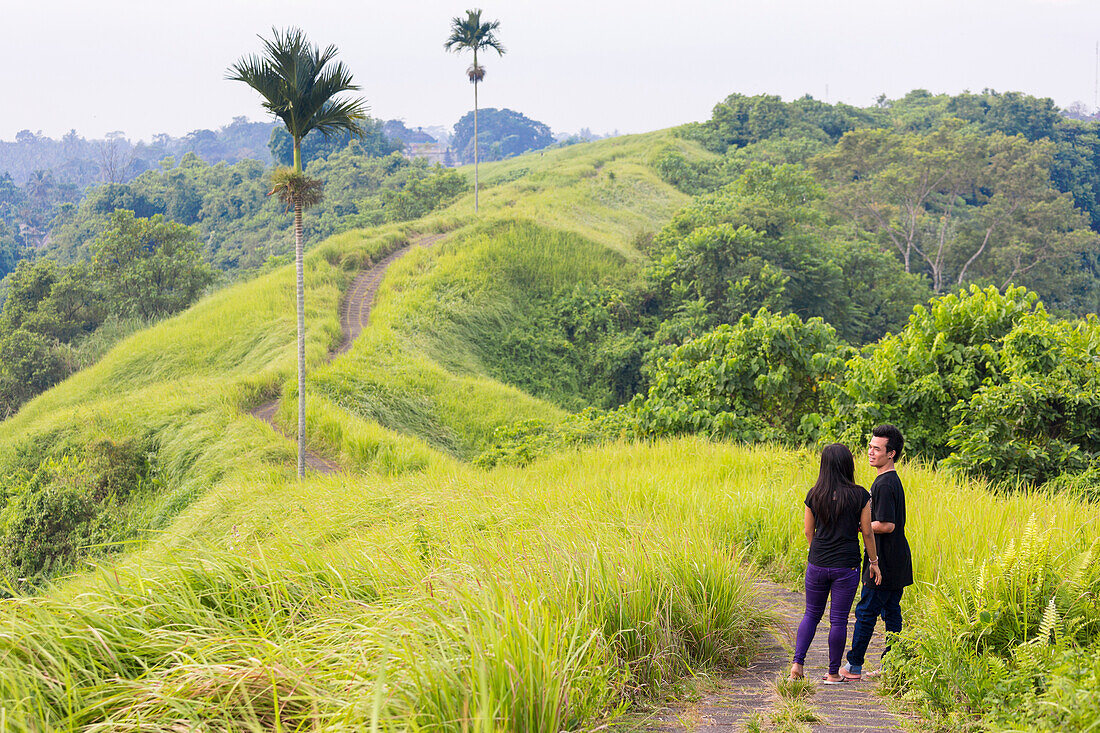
[(836, 545), (894, 558)]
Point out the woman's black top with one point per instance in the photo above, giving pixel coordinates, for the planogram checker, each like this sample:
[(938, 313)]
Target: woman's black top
[(836, 545)]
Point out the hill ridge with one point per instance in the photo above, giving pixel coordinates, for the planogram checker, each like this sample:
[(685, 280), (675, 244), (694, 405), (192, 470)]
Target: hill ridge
[(354, 316)]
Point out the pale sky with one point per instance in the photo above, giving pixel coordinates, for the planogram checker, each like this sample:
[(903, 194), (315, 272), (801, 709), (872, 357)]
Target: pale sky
[(148, 66)]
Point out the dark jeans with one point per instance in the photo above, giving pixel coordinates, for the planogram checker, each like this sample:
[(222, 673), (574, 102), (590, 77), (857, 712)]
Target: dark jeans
[(873, 602), (842, 583)]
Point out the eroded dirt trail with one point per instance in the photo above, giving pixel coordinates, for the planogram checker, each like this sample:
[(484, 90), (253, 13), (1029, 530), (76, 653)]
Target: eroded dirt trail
[(354, 316)]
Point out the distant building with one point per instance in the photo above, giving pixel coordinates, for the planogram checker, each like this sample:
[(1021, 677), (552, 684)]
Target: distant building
[(433, 152), (418, 143)]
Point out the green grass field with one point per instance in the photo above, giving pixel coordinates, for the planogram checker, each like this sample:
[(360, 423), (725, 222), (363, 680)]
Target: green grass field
[(417, 591)]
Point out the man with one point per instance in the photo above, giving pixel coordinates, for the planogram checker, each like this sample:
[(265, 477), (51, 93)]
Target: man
[(895, 560)]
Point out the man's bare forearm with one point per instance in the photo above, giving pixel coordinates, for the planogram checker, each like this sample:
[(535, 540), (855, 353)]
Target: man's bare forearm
[(882, 527)]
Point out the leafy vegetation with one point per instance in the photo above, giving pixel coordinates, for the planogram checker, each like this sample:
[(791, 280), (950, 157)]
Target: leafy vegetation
[(54, 510), (240, 225), (143, 269), (758, 381), (502, 133), (417, 590)]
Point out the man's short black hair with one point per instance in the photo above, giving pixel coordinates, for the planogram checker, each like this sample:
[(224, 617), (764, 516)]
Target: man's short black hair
[(894, 441)]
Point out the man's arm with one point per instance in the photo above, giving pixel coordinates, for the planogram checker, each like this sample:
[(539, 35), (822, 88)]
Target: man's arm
[(882, 527)]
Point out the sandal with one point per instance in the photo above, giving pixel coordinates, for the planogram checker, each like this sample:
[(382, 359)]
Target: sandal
[(828, 681)]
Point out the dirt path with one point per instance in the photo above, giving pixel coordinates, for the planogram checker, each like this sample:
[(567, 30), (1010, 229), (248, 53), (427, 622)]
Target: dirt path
[(751, 693), (354, 315)]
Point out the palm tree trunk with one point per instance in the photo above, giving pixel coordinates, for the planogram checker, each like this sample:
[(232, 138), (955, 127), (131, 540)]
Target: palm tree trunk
[(301, 297), (475, 132), (301, 340)]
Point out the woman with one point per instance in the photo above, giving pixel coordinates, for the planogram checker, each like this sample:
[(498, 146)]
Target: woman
[(837, 510)]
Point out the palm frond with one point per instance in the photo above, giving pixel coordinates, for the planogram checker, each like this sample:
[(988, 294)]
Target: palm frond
[(470, 34), (337, 115), (298, 82)]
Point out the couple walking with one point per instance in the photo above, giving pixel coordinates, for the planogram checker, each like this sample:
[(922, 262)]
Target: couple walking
[(837, 512)]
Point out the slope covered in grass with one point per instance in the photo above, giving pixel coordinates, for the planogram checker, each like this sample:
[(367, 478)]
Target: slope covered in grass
[(420, 383), (538, 599)]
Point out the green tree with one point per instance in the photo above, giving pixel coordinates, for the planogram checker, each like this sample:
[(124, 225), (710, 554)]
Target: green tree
[(373, 142), (739, 120), (10, 250), (916, 377), (1040, 418), (29, 363), (300, 84), (759, 242), (470, 34), (758, 380), (149, 267), (507, 134), (957, 204)]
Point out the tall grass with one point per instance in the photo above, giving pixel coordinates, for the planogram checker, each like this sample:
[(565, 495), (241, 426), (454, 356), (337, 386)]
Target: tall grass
[(446, 600)]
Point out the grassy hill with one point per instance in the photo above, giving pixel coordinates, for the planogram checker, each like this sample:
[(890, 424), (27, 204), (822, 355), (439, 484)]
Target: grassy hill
[(188, 382), (417, 591), (413, 397)]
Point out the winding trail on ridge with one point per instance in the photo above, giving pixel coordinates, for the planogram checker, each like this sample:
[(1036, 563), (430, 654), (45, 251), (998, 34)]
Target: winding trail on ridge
[(748, 694), (855, 707), (354, 316)]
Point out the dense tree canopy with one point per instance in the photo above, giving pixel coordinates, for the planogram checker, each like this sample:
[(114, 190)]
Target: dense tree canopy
[(142, 269), (239, 225), (149, 267), (503, 134), (959, 205)]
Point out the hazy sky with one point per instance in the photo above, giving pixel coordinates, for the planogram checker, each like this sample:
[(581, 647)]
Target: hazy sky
[(153, 66)]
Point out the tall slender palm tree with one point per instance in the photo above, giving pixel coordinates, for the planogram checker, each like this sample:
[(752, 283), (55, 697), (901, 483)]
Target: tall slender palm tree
[(299, 83), (470, 34)]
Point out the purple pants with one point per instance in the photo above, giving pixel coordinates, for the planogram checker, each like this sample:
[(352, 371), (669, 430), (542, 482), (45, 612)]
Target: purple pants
[(842, 582)]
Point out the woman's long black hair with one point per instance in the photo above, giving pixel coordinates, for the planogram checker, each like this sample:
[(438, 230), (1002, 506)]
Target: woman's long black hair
[(836, 492)]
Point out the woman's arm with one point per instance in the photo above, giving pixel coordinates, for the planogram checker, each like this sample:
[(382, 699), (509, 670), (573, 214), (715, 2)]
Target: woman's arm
[(869, 544), (808, 526)]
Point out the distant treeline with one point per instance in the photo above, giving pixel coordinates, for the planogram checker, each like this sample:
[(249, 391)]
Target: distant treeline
[(115, 159), (43, 181)]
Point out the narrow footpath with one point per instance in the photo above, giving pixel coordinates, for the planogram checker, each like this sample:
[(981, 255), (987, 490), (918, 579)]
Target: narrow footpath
[(749, 701), (354, 316)]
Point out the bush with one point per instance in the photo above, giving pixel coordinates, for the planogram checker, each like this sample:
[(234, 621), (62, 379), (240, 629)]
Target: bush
[(57, 512), (915, 379), (760, 380), (1040, 419), (521, 443)]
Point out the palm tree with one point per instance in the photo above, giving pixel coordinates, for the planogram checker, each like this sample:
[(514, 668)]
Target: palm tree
[(471, 34), (299, 83)]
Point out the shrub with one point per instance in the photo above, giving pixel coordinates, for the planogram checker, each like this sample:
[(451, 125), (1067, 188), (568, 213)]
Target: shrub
[(1041, 418), (757, 381), (914, 379), (520, 443), (57, 512)]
